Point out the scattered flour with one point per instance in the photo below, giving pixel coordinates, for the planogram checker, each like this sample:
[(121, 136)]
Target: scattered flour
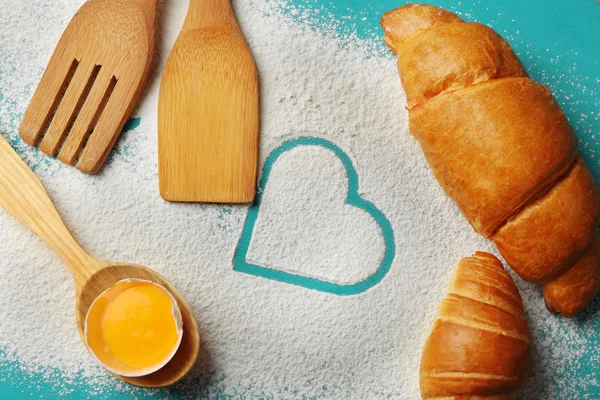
[(307, 192), (260, 337)]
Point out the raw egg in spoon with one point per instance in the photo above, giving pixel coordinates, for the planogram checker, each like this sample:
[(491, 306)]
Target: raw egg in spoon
[(134, 328)]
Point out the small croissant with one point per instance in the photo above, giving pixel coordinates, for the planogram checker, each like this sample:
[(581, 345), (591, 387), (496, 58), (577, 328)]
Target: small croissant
[(479, 347), (501, 147)]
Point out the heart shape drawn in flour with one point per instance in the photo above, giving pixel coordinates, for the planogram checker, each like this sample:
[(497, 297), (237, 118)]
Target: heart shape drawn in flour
[(296, 227)]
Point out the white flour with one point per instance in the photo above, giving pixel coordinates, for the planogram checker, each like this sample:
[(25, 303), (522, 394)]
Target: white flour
[(260, 337), (345, 245)]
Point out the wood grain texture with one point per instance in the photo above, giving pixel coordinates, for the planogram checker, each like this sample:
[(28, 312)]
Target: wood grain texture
[(24, 197), (502, 148), (92, 82), (479, 347), (208, 114)]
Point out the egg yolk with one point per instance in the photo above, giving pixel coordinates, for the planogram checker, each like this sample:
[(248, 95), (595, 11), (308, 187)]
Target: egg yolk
[(134, 326)]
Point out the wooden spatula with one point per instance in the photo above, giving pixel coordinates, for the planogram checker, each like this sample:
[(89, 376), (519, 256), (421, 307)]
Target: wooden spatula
[(93, 80), (208, 110)]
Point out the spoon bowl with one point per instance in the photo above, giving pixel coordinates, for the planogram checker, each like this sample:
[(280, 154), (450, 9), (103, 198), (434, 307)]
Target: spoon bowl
[(107, 276), (24, 197)]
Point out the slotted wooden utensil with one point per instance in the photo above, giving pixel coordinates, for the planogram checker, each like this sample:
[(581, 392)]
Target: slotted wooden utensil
[(23, 196), (208, 110), (92, 82)]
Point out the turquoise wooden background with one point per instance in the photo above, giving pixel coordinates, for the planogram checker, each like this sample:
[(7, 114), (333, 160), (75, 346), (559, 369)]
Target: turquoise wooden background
[(559, 43)]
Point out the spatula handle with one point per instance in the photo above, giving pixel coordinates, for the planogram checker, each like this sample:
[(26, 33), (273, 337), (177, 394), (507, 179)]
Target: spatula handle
[(24, 197), (210, 14)]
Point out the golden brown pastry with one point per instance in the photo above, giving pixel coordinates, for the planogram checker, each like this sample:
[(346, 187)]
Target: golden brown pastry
[(501, 147), (479, 347)]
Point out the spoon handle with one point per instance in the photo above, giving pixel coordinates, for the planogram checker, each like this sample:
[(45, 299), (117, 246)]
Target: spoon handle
[(24, 197)]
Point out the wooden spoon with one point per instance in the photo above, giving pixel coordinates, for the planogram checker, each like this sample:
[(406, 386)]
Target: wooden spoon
[(208, 111), (24, 197), (92, 82)]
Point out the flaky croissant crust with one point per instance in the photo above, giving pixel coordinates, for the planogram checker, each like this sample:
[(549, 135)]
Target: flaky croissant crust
[(501, 147), (479, 347)]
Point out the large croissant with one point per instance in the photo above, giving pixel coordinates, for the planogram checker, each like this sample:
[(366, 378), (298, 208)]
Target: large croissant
[(479, 347), (501, 147)]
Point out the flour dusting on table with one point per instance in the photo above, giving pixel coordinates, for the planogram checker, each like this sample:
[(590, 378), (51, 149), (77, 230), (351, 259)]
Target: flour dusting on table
[(260, 337), (345, 245)]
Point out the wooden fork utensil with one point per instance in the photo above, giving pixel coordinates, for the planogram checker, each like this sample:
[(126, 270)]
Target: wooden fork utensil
[(93, 80)]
